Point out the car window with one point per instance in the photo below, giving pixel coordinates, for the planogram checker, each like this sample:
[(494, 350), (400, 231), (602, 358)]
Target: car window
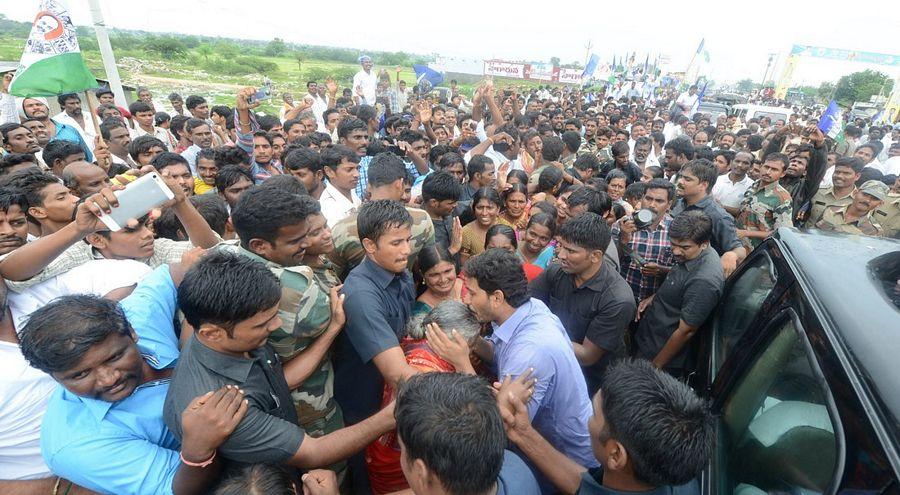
[(773, 116), (776, 433), (740, 305)]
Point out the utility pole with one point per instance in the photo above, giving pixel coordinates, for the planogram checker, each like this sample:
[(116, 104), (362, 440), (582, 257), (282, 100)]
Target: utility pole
[(109, 60), (766, 73)]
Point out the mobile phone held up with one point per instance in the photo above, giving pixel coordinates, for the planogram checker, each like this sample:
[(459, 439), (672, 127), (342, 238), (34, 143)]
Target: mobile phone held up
[(263, 93), (137, 199)]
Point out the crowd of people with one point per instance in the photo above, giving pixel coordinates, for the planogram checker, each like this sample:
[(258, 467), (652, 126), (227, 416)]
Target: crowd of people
[(384, 290)]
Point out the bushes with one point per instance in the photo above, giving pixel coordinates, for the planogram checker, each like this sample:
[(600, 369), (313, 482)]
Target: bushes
[(240, 66)]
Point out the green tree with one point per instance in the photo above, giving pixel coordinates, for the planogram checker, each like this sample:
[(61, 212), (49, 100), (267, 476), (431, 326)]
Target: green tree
[(860, 86), (166, 46), (300, 57), (275, 47), (554, 61), (745, 85), (204, 50), (826, 90)]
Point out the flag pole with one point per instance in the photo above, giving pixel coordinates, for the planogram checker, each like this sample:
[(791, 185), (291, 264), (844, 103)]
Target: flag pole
[(109, 60), (94, 120)]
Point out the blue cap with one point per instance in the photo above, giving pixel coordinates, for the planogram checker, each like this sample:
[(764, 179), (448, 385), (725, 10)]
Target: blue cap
[(365, 58)]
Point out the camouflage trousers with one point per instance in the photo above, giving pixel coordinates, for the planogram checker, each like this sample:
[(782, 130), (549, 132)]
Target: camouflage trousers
[(320, 423)]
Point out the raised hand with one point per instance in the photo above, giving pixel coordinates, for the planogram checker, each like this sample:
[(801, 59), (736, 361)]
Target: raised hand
[(331, 86), (455, 237)]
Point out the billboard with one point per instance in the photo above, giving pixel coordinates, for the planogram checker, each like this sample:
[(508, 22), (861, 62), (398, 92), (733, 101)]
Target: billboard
[(500, 68), (532, 72)]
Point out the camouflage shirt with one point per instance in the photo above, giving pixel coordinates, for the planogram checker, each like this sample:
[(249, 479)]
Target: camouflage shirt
[(888, 215), (590, 146), (764, 209), (348, 251), (834, 220), (305, 311)]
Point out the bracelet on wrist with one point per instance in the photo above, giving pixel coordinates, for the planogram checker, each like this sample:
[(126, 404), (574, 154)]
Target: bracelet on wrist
[(197, 464)]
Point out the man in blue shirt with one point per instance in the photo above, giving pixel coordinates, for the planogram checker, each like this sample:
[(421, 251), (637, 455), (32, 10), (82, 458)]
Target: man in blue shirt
[(650, 432), (104, 429), (36, 108), (527, 335)]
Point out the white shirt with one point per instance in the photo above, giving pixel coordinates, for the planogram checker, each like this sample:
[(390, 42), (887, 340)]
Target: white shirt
[(369, 83), (24, 393), (87, 133), (687, 100), (827, 178), (336, 206), (158, 132), (891, 166), (9, 111), (318, 108), (729, 193), (671, 131), (97, 277)]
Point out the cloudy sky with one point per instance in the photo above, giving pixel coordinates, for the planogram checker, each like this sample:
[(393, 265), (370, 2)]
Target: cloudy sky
[(739, 38)]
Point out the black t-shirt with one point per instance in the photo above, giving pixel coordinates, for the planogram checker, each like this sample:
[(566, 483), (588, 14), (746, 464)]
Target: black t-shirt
[(690, 292), (600, 311)]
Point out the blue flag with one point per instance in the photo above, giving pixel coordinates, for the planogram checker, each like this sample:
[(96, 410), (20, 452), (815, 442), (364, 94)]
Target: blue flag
[(831, 120), (425, 73), (591, 66), (700, 48), (696, 106)]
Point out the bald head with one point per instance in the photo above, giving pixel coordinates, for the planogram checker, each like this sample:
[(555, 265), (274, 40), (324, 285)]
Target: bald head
[(84, 179)]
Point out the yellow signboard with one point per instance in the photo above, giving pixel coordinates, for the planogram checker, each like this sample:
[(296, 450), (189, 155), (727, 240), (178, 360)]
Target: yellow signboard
[(784, 82)]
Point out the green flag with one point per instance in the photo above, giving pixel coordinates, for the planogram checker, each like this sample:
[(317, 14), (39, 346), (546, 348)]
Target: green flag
[(51, 63)]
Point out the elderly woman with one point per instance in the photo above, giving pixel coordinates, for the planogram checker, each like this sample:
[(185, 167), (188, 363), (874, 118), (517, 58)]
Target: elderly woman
[(383, 455)]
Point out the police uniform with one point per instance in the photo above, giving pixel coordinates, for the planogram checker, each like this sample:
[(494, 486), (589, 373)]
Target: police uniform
[(764, 209), (824, 198), (834, 219), (888, 215)]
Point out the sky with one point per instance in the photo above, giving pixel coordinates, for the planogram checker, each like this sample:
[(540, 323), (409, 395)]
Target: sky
[(739, 39)]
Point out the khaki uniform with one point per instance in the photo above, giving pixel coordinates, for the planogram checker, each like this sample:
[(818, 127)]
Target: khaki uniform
[(834, 220), (888, 216), (825, 198), (764, 209), (348, 250)]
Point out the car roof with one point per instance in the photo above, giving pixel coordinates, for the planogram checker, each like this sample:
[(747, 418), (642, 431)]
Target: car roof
[(850, 276), (764, 108)]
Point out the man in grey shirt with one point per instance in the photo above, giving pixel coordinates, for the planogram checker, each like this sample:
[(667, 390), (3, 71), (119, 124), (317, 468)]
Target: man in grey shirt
[(695, 183), (671, 317), (231, 326)]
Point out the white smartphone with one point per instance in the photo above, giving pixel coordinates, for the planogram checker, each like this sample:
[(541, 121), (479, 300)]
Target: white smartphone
[(137, 199)]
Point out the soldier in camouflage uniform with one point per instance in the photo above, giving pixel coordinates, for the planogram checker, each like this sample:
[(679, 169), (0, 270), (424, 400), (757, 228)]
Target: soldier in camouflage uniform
[(857, 218), (766, 205), (305, 308), (387, 178), (348, 251)]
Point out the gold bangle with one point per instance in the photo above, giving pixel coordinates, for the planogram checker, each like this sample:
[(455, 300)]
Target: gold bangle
[(56, 486)]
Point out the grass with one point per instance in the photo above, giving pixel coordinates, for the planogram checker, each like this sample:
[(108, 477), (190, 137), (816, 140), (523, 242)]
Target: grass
[(289, 76)]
